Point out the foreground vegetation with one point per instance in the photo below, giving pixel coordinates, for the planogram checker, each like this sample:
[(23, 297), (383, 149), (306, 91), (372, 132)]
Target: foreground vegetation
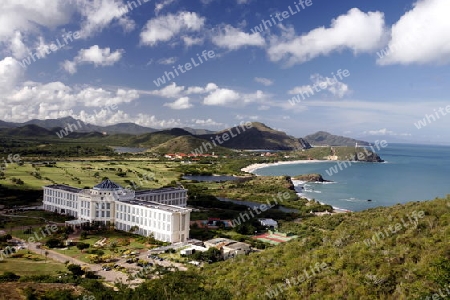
[(411, 263)]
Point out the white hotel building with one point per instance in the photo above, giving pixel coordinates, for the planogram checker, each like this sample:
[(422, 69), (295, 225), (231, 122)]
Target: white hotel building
[(161, 212)]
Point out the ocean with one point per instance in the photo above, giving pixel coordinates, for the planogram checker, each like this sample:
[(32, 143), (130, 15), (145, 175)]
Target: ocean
[(409, 173)]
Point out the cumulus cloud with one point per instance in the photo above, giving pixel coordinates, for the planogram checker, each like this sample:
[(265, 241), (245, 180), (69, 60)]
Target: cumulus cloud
[(181, 103), (20, 23), (221, 97), (225, 97), (93, 55), (320, 83), (264, 81), (40, 100), (421, 36), (170, 91), (99, 14), (165, 28), (232, 38), (10, 73), (200, 90), (356, 31), (206, 123)]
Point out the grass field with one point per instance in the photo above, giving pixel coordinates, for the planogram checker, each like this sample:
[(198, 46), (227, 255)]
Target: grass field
[(89, 173), (27, 267)]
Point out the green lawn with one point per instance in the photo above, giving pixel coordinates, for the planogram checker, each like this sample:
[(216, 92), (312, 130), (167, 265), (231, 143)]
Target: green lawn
[(81, 173), (27, 267)]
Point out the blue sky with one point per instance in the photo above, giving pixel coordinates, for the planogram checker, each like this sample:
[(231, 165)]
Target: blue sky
[(117, 54)]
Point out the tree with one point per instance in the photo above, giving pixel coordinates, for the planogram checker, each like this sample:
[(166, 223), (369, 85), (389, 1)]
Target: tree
[(53, 242), (82, 246), (75, 269)]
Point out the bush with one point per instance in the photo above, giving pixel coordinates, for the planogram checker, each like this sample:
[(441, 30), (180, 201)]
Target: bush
[(82, 246), (9, 276)]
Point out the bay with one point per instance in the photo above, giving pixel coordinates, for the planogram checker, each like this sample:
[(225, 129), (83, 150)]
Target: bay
[(409, 173)]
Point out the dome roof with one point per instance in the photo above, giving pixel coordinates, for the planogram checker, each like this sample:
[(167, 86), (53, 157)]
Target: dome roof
[(107, 185)]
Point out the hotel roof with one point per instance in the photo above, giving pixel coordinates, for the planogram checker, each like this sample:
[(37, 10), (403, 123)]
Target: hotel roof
[(160, 190), (64, 188), (108, 185), (156, 205)]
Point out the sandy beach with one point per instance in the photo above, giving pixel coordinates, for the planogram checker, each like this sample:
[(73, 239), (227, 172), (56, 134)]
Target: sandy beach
[(252, 168)]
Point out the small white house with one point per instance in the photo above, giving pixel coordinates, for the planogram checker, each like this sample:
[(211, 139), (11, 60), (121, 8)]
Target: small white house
[(268, 223), (192, 249)]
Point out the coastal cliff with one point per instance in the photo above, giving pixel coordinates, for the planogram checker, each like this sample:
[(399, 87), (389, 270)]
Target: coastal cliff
[(310, 178)]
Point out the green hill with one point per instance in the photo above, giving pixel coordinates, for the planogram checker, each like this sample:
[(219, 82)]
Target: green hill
[(186, 144), (322, 138), (376, 254)]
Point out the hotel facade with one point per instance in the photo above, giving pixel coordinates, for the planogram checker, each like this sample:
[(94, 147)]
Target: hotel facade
[(161, 212)]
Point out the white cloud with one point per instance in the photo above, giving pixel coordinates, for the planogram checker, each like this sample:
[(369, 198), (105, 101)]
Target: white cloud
[(199, 90), (221, 97), (206, 123), (246, 117), (225, 97), (30, 100), (264, 81), (159, 6), (167, 61), (170, 91), (20, 22), (386, 132), (164, 28), (94, 55), (99, 14), (233, 38), (321, 83), (421, 36), (10, 74), (191, 41), (181, 103), (69, 66), (357, 31)]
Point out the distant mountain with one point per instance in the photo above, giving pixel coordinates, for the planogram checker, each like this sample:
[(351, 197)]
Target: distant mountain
[(198, 131), (126, 128), (259, 136), (4, 124), (322, 138)]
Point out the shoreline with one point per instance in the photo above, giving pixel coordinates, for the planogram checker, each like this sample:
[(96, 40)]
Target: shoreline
[(253, 167)]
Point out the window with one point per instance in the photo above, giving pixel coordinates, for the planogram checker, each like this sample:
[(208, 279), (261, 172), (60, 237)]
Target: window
[(108, 206), (108, 214), (96, 214)]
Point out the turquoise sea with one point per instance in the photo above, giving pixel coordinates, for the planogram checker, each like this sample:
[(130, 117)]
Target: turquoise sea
[(410, 173)]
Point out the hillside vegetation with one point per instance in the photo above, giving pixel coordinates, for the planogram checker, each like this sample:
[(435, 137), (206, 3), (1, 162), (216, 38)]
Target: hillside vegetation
[(323, 138), (363, 257)]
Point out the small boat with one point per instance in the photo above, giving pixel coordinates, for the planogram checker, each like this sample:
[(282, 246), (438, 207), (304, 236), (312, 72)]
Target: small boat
[(369, 200)]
